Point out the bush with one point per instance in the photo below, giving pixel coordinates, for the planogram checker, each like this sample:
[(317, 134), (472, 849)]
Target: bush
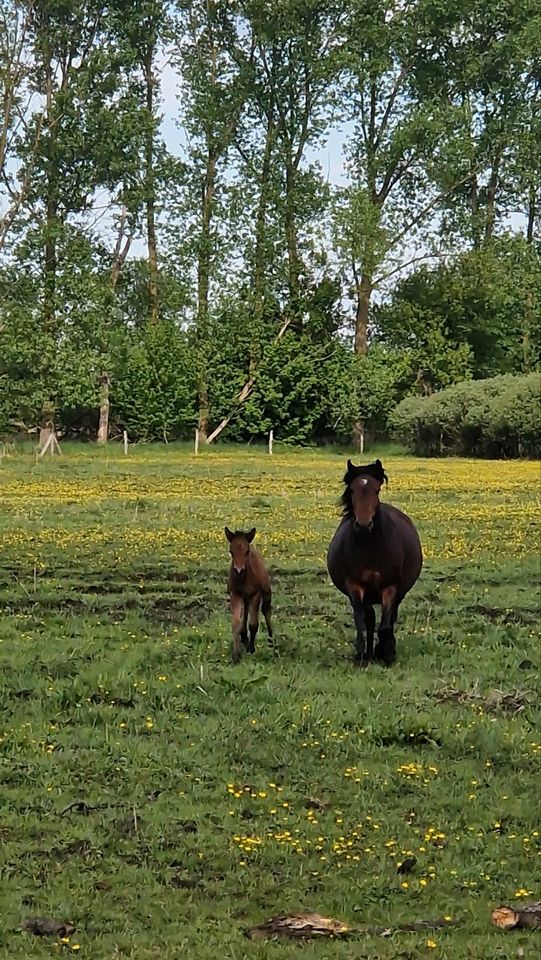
[(153, 393), (498, 417)]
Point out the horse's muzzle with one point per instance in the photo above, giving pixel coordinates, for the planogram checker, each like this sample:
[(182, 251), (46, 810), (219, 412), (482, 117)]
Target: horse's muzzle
[(239, 569), (363, 527)]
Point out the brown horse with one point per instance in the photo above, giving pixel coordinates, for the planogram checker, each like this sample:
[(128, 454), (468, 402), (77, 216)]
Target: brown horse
[(249, 588), (374, 557)]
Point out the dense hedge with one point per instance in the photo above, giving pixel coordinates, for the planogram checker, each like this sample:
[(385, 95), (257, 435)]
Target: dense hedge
[(499, 417)]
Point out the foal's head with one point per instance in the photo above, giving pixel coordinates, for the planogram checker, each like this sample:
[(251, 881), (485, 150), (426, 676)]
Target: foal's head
[(360, 499), (239, 547)]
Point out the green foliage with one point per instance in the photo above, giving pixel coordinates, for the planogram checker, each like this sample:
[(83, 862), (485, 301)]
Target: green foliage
[(478, 315), (153, 392), (486, 418)]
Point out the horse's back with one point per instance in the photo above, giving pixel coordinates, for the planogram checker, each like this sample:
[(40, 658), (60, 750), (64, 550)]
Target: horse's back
[(262, 572)]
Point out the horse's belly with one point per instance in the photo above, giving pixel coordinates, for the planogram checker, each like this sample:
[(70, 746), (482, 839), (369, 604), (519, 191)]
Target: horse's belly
[(335, 562)]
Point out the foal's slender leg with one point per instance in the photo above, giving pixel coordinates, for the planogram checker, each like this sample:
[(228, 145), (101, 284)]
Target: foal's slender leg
[(244, 631), (236, 626), (386, 646), (266, 608), (254, 621), (356, 596)]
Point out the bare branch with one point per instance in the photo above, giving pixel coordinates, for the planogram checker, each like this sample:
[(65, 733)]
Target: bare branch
[(247, 388), (390, 104), (426, 210), (402, 266)]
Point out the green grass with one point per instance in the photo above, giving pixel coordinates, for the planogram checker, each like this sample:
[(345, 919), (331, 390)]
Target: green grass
[(218, 795)]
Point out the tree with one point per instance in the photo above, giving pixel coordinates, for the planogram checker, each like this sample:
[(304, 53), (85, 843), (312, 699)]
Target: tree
[(396, 128), (477, 316), (215, 90), (16, 108), (487, 65)]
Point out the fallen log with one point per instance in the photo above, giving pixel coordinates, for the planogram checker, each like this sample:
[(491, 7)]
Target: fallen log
[(525, 917)]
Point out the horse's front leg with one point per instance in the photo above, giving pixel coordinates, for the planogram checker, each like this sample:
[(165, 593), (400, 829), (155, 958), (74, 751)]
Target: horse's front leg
[(356, 596), (370, 620), (386, 646), (237, 618)]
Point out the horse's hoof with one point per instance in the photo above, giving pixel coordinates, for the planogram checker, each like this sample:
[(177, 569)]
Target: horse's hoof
[(361, 662), (384, 655), (236, 657)]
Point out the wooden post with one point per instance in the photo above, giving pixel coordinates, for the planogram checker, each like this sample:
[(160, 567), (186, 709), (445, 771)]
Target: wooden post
[(271, 439), (196, 444), (51, 443), (125, 439)]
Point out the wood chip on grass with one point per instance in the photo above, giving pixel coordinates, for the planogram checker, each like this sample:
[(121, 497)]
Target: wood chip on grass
[(305, 926)]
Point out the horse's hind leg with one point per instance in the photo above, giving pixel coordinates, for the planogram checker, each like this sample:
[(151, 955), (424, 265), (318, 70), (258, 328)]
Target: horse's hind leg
[(266, 609), (386, 646), (254, 621)]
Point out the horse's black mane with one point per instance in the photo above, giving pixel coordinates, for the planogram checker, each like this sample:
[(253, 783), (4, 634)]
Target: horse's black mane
[(374, 470)]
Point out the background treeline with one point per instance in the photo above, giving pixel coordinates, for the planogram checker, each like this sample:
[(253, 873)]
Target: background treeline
[(206, 270)]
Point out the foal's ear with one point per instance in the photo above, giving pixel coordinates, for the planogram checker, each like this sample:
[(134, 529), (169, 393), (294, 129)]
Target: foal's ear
[(229, 534), (250, 535)]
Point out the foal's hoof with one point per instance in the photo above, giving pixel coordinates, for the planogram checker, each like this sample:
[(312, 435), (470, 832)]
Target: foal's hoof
[(235, 656), (250, 648)]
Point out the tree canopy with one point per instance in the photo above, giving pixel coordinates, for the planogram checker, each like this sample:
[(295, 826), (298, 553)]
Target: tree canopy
[(174, 251)]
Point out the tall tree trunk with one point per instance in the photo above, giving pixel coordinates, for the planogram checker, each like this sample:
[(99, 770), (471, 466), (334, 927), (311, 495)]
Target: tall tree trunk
[(261, 217), (203, 264), (526, 328), (150, 188), (120, 253), (474, 207), (50, 263), (491, 198), (364, 293), (291, 233), (532, 211), (203, 284), (103, 428), (51, 205), (51, 211)]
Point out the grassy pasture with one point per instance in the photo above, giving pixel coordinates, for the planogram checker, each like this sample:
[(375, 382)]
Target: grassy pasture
[(218, 795)]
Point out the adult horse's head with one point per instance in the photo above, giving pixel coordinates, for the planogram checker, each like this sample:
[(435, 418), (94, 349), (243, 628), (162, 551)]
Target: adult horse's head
[(360, 499), (239, 547)]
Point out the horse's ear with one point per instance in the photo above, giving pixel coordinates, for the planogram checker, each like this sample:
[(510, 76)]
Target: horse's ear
[(229, 534), (349, 472), (381, 471), (250, 535)]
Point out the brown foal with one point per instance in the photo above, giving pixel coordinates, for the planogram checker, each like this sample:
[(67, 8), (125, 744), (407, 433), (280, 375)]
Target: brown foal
[(249, 589)]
